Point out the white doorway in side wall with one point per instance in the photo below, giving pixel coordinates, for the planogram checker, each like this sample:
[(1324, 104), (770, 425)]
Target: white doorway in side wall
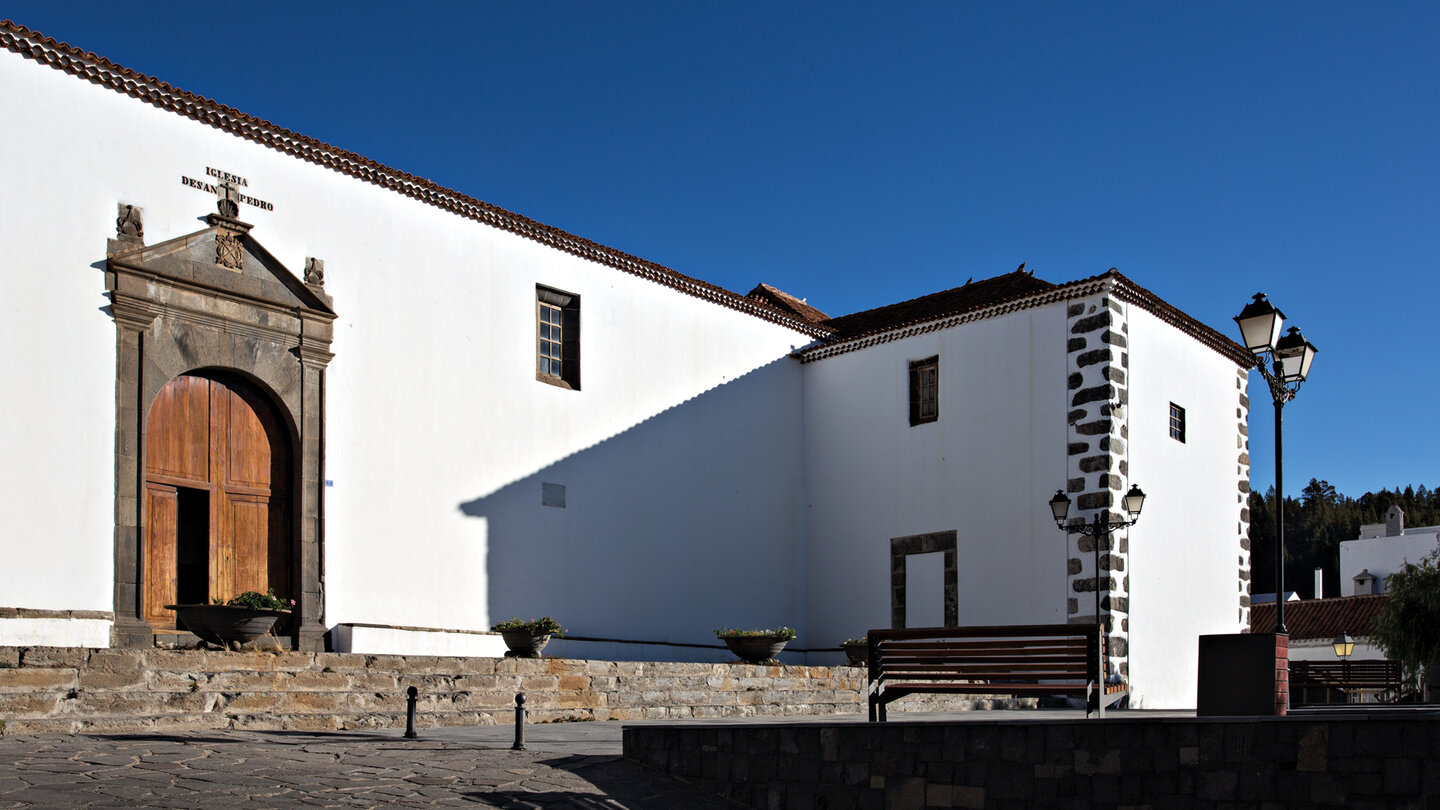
[(925, 589), (933, 578)]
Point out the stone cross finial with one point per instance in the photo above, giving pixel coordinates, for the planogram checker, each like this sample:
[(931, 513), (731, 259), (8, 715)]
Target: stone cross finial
[(229, 199)]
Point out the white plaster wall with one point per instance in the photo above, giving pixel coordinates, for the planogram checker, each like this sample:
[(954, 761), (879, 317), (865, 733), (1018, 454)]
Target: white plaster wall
[(680, 453), (403, 641), (1383, 556), (1184, 552), (1322, 649), (54, 633), (676, 458), (986, 469), (57, 348)]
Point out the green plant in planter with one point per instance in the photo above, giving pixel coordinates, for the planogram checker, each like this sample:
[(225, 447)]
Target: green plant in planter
[(544, 626), (779, 633), (525, 638), (259, 601), (756, 646), (856, 649)]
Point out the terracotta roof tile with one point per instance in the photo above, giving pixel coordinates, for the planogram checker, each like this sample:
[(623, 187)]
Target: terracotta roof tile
[(1322, 618), (972, 295), (787, 303), (1000, 295), (99, 70)]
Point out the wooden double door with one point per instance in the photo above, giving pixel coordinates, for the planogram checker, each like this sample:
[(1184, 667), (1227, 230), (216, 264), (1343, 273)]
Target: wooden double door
[(218, 471)]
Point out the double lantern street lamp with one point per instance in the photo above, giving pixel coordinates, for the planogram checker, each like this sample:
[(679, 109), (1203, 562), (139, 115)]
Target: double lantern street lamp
[(1289, 360), (1100, 527)]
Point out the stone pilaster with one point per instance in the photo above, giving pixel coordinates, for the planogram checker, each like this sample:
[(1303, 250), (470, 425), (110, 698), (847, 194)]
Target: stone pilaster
[(315, 356), (132, 324), (1098, 468)]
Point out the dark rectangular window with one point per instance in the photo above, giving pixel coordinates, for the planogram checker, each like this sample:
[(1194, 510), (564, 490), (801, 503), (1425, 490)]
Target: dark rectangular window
[(557, 327), (552, 495), (1177, 422), (924, 390)]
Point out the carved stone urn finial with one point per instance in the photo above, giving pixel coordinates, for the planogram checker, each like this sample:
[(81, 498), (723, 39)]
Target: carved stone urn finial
[(314, 272), (130, 224)]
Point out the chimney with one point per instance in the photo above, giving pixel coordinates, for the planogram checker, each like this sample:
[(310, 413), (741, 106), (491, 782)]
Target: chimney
[(1394, 521), (1319, 583), (1364, 582)]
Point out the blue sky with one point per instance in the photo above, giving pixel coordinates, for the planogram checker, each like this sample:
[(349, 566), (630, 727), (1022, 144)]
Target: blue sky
[(861, 154)]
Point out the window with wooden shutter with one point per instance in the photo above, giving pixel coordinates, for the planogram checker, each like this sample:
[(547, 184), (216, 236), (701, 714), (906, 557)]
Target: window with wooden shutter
[(557, 328), (924, 390)]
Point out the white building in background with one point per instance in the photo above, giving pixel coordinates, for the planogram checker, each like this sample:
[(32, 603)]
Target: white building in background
[(1383, 549), (418, 414)]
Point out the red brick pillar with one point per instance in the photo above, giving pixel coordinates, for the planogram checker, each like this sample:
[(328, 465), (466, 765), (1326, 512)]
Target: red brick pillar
[(1282, 673)]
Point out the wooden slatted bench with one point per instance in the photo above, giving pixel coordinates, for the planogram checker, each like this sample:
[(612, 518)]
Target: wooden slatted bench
[(1018, 660), (1383, 677)]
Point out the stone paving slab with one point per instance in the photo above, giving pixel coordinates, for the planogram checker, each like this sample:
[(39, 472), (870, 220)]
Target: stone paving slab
[(235, 769)]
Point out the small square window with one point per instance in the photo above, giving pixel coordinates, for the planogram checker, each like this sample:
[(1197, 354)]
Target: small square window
[(552, 495), (924, 390), (557, 328), (1177, 422)]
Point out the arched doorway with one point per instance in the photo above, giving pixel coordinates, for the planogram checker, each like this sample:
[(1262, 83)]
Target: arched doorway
[(218, 495)]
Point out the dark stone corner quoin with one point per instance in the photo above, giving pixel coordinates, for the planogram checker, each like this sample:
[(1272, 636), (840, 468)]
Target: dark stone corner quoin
[(1099, 320), (1099, 393)]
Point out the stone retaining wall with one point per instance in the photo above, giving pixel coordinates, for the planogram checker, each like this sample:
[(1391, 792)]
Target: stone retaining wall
[(65, 690), (1351, 761)]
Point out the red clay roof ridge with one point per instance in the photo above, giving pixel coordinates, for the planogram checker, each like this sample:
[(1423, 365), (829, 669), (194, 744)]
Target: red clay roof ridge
[(979, 306), (791, 305)]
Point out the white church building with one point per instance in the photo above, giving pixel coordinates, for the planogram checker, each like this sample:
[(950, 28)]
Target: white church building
[(236, 358)]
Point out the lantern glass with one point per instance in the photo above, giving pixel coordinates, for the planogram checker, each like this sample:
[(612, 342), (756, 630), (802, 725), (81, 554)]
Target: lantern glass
[(1295, 354), (1059, 507), (1344, 645), (1134, 502), (1260, 324)]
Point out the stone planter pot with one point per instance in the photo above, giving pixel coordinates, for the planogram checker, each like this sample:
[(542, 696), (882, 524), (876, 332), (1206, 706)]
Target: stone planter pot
[(523, 643), (858, 654), (755, 649), (226, 625)]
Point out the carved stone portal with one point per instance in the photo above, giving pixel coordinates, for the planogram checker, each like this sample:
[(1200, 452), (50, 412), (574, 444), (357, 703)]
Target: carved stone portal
[(177, 310)]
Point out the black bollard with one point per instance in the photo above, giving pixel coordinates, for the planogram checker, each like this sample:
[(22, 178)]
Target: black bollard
[(411, 694), (519, 722)]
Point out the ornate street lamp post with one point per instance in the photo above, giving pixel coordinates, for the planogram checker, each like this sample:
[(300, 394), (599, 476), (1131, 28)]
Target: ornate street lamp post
[(1289, 360), (1100, 527)]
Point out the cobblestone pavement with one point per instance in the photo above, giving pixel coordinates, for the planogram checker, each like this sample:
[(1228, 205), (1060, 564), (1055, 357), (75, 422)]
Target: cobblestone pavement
[(254, 769)]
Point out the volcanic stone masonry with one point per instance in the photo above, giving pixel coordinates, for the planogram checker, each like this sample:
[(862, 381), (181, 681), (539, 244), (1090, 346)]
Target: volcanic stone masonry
[(1242, 471), (1098, 468)]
